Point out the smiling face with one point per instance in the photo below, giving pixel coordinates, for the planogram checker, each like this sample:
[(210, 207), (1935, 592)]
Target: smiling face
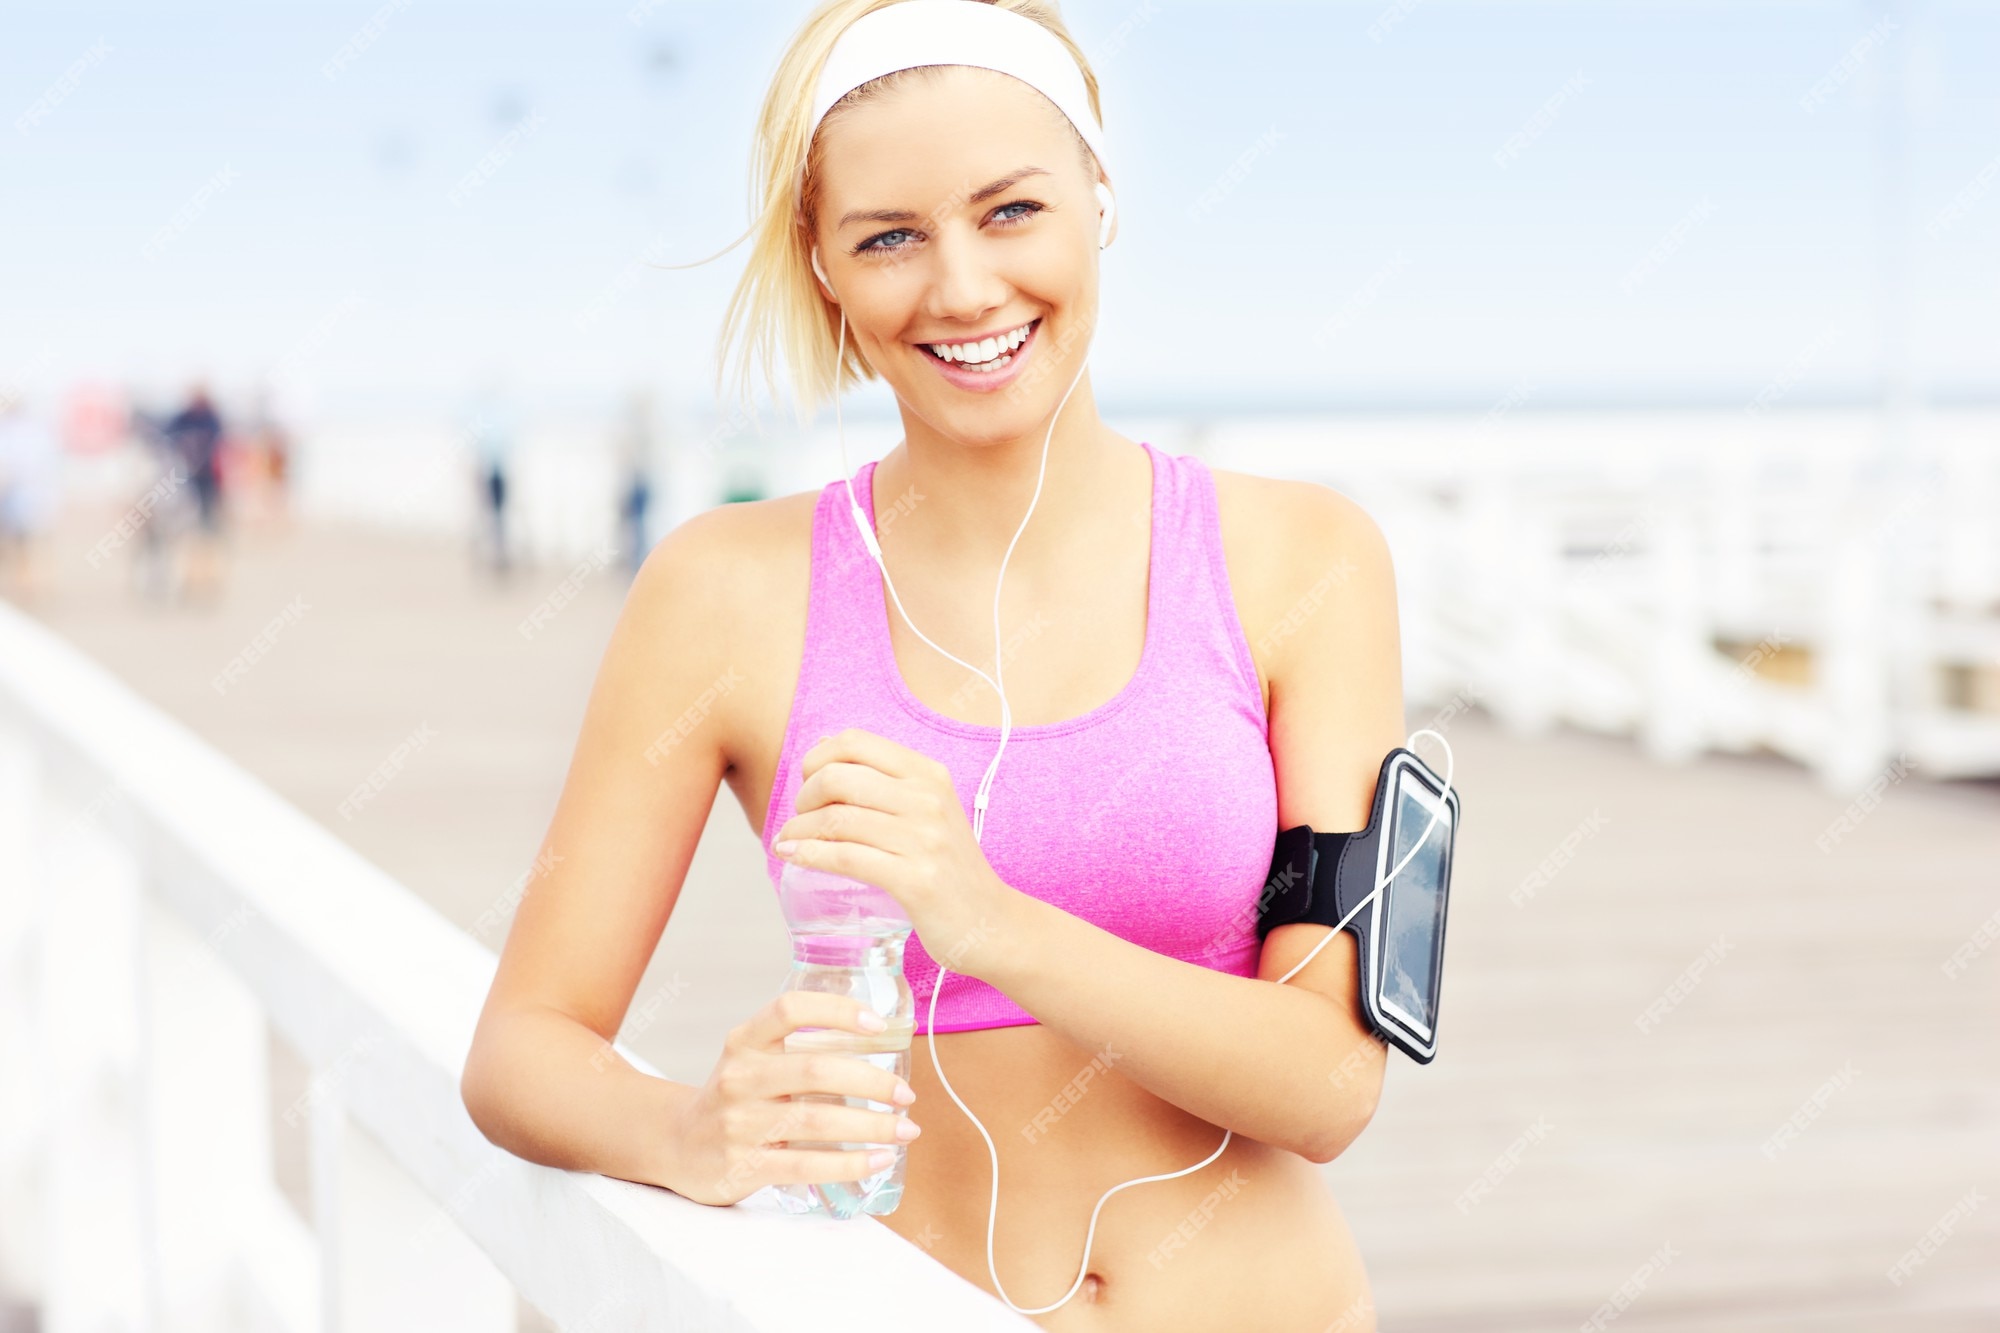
[(956, 215)]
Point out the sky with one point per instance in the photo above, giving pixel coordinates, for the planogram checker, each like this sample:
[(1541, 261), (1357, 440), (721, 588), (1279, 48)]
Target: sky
[(1410, 203)]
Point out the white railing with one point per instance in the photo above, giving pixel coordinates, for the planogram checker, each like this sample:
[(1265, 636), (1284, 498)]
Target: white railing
[(161, 914), (1699, 581)]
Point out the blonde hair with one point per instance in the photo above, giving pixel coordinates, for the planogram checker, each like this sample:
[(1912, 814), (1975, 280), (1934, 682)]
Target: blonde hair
[(778, 305)]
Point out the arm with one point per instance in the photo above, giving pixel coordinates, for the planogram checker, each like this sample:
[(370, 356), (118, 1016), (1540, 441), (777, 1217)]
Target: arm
[(541, 1079), (1293, 1065)]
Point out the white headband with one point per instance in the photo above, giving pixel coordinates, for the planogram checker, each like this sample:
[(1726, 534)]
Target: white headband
[(955, 32)]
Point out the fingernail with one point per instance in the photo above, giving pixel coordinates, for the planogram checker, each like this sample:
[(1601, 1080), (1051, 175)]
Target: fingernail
[(878, 1160), (905, 1094), (907, 1130), (872, 1021)]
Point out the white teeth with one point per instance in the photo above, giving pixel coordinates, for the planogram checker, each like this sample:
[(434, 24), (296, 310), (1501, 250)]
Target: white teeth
[(984, 350)]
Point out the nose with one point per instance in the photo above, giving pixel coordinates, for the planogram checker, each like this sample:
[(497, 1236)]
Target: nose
[(965, 285)]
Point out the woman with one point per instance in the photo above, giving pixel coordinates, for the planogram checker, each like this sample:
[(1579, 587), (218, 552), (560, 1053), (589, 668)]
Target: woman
[(1193, 660)]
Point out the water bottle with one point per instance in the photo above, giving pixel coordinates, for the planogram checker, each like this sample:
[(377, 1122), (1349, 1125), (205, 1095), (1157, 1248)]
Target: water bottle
[(847, 938)]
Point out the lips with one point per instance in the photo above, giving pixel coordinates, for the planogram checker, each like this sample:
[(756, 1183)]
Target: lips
[(981, 350), (987, 381)]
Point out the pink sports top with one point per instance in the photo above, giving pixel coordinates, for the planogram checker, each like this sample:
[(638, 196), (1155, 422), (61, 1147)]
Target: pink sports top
[(1152, 815)]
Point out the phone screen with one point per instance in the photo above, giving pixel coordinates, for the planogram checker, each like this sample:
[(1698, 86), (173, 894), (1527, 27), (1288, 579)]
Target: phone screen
[(1413, 922)]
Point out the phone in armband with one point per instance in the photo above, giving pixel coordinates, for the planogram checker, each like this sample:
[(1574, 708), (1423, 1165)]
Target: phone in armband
[(1389, 884)]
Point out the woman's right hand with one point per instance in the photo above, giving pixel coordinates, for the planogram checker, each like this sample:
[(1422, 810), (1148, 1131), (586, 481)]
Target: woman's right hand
[(728, 1134)]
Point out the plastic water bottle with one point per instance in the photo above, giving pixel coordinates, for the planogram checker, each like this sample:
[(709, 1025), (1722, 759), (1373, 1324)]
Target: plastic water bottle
[(847, 938)]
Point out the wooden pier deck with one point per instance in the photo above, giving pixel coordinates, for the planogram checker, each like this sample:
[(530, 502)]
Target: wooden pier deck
[(1710, 1057)]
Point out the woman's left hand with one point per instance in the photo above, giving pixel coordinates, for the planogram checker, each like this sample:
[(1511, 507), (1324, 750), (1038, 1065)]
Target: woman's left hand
[(886, 815)]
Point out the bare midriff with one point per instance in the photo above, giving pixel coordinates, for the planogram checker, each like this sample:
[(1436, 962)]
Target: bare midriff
[(1253, 1241)]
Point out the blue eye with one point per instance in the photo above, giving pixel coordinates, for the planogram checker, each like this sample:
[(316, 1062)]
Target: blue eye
[(870, 245)]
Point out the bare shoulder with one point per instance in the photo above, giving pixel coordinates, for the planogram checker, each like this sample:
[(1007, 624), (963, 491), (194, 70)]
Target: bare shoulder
[(749, 565), (1288, 544)]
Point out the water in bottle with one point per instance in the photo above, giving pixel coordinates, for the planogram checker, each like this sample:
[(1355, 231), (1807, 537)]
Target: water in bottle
[(847, 938)]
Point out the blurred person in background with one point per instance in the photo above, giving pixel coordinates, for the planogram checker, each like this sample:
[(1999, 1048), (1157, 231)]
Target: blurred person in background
[(489, 432), (29, 465), (636, 465), (195, 437), (263, 455)]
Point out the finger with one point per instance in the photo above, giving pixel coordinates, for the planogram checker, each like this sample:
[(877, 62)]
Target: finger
[(766, 1029), (817, 1166), (855, 745), (847, 823), (850, 860), (816, 1124), (847, 782), (835, 1071)]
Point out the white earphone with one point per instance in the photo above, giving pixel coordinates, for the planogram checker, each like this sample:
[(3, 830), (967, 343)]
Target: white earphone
[(1104, 201)]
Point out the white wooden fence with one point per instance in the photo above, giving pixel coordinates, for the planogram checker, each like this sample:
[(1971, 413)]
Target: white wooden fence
[(161, 914), (1697, 580)]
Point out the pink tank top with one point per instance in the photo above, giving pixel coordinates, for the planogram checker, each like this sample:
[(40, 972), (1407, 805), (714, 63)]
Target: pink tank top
[(1152, 815)]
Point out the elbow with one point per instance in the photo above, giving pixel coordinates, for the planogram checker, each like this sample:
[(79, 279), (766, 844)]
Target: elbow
[(469, 1093), (475, 1092), (1340, 1123)]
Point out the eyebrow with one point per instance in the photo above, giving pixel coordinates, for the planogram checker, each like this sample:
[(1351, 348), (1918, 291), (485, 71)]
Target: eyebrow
[(1007, 182)]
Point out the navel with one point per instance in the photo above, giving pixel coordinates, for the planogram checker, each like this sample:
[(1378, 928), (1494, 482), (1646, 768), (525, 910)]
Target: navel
[(1092, 1289)]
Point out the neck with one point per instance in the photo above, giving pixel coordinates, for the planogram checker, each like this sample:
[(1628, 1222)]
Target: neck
[(962, 502)]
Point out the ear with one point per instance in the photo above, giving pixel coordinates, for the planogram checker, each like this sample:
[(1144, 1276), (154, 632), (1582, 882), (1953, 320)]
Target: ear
[(822, 277), (1107, 227)]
